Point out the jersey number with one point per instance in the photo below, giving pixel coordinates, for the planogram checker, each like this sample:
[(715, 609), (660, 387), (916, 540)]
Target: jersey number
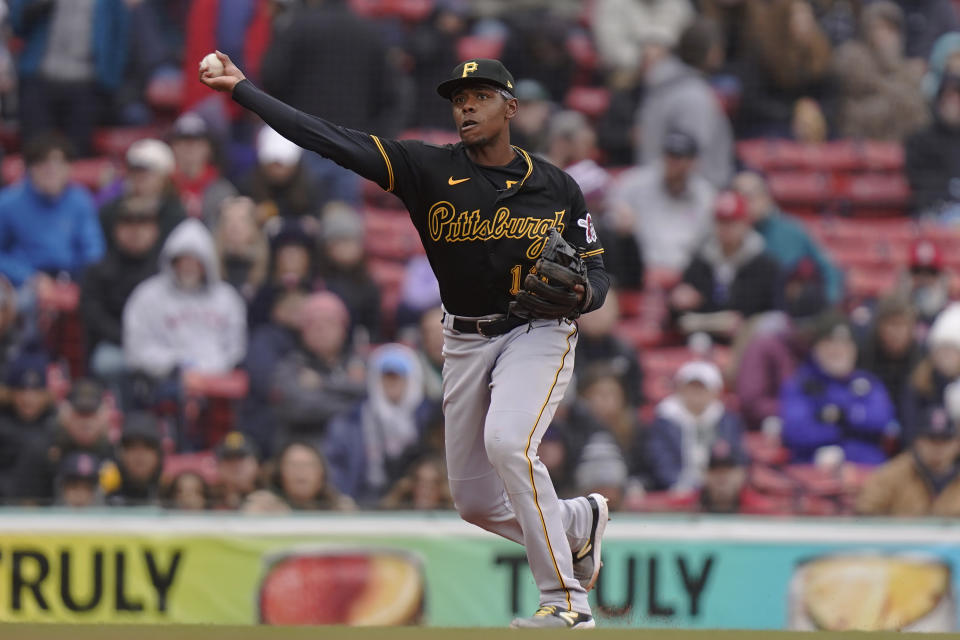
[(515, 274)]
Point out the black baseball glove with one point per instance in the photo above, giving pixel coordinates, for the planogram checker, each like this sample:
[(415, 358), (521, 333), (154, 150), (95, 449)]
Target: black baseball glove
[(548, 291)]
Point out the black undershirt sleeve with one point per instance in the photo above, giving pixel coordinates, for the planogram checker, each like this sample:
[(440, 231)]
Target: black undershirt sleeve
[(599, 281), (359, 152)]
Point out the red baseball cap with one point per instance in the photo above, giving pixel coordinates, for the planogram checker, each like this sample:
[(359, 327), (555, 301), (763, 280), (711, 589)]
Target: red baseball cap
[(729, 207), (924, 254)]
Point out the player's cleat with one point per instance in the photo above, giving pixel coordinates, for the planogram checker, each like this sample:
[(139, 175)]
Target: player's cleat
[(586, 561), (552, 617)]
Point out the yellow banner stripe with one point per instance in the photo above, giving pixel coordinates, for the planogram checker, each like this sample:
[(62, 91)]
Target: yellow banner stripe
[(595, 252)]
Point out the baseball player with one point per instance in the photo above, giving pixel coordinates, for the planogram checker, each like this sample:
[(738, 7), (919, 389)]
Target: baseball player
[(517, 258)]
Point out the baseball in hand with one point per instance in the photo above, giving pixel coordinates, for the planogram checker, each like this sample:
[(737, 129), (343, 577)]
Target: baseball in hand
[(212, 64)]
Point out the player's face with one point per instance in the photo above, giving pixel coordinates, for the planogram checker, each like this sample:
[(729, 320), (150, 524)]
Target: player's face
[(481, 114)]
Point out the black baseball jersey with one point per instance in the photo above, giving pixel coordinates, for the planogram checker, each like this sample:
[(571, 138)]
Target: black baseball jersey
[(482, 227)]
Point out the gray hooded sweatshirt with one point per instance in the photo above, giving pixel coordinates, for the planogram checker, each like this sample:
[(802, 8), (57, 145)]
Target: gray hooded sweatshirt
[(678, 98), (165, 326)]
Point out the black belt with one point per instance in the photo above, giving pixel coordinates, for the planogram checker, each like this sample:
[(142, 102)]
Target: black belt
[(488, 328)]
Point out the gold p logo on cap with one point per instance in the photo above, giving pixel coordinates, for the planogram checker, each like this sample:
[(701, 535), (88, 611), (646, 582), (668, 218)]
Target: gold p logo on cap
[(468, 68)]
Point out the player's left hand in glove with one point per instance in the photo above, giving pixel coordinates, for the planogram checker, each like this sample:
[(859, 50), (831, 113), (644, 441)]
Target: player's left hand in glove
[(557, 287)]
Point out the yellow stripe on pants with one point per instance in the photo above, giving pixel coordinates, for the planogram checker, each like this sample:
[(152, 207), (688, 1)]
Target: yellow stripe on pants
[(533, 485)]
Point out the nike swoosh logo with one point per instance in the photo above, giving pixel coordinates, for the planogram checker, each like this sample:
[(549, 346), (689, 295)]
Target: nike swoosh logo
[(452, 182)]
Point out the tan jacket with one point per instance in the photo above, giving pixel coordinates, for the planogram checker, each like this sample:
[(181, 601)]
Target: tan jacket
[(897, 489)]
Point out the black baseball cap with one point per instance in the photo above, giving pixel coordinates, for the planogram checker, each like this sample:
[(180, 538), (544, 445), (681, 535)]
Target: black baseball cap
[(478, 71), (936, 424), (235, 445), (140, 426), (27, 371), (85, 396), (681, 144), (80, 466)]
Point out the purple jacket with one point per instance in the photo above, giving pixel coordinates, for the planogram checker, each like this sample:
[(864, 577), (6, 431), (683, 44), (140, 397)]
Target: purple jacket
[(767, 362)]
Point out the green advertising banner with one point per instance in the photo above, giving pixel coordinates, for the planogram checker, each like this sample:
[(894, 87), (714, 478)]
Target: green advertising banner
[(698, 573)]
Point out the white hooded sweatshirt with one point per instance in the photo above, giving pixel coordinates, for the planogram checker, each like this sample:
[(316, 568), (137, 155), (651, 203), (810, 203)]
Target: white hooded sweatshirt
[(165, 326)]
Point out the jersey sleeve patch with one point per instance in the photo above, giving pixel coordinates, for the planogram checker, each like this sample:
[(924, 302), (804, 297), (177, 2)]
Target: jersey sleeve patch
[(589, 231)]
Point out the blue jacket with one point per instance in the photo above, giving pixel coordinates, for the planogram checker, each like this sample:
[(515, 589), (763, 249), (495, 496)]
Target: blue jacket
[(38, 233), (346, 452), (665, 453), (789, 243), (110, 35), (866, 415), (269, 344)]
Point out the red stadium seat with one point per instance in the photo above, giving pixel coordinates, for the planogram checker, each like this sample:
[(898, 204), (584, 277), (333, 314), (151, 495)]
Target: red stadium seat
[(870, 283), (639, 334), (590, 101), (875, 194), (765, 450), (631, 303), (661, 364), (165, 92), (432, 136), (472, 47), (755, 503), (390, 235), (203, 463), (755, 153), (388, 274), (209, 409), (233, 385), (92, 173), (114, 141), (882, 156), (367, 8), (9, 137), (12, 169), (801, 188), (408, 10), (662, 278), (580, 47), (59, 321), (665, 501), (837, 156)]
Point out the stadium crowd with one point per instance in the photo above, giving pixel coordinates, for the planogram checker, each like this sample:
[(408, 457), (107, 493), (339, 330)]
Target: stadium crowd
[(197, 314)]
